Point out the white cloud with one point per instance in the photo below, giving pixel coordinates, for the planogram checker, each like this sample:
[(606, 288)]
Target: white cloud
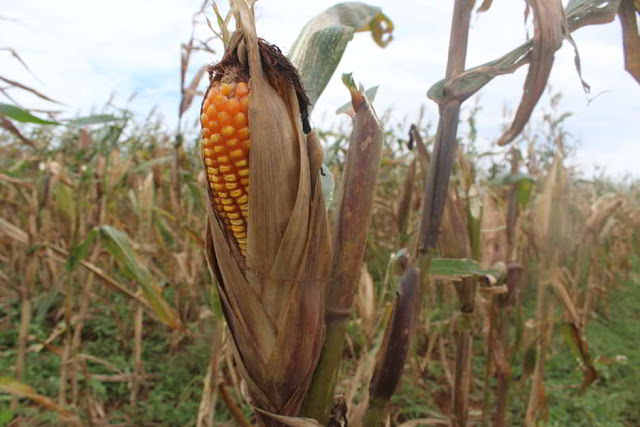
[(84, 50)]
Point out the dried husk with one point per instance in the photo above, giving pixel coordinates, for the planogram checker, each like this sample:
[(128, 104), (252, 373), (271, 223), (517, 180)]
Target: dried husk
[(273, 298)]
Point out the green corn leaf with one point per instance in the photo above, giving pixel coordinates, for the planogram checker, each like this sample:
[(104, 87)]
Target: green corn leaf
[(93, 120), (318, 49), (117, 243), (450, 268), (20, 115)]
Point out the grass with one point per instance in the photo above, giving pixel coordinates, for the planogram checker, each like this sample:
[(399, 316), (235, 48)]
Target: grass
[(614, 399)]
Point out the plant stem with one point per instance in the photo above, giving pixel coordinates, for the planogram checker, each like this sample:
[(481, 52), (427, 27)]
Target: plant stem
[(436, 188), (349, 240)]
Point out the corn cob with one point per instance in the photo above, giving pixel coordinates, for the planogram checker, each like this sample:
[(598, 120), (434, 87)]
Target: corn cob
[(225, 150)]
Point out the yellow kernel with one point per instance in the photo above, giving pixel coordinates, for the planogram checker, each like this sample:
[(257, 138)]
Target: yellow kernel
[(219, 101), (233, 106), (215, 138), (213, 126), (212, 171), (219, 148), (214, 178), (225, 168), (241, 163), (207, 152), (230, 185), (223, 118), (208, 162), (233, 142), (227, 131), (223, 159), (244, 207), (242, 236), (240, 120), (246, 144), (227, 202), (241, 172), (237, 221), (231, 208), (244, 181), (234, 215), (223, 196), (212, 112), (226, 89), (204, 119), (236, 193), (244, 213), (242, 89), (236, 154), (242, 200), (230, 178), (237, 228), (218, 187)]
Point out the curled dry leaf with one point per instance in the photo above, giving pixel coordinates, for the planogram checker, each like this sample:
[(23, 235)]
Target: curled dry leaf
[(486, 4), (16, 388), (630, 37), (579, 13), (550, 29)]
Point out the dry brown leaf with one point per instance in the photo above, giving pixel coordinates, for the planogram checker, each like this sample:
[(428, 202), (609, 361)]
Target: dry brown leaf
[(486, 4), (550, 29), (16, 388), (191, 91), (630, 38)]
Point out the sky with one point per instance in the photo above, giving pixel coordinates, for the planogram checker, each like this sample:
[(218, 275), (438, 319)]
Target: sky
[(83, 51)]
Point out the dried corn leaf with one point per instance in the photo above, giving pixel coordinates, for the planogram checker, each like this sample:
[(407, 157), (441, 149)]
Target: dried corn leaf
[(291, 421), (28, 89), (10, 127), (191, 91), (550, 210), (630, 37), (578, 14), (16, 388), (550, 29), (486, 4)]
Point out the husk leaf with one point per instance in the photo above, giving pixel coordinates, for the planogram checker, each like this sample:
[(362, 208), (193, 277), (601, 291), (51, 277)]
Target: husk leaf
[(273, 298)]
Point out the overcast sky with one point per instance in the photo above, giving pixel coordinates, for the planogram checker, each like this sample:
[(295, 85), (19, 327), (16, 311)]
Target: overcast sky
[(84, 50)]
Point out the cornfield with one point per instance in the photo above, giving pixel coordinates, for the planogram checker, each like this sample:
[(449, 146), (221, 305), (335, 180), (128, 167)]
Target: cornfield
[(250, 270)]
